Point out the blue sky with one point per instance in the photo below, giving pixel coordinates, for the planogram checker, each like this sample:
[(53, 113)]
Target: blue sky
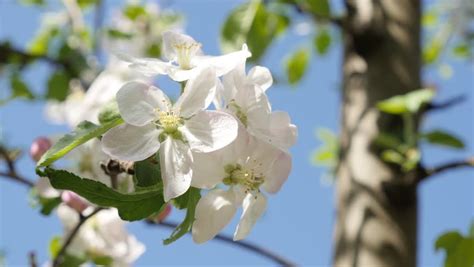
[(299, 220)]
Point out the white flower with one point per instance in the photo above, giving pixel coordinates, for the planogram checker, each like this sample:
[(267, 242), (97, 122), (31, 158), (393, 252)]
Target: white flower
[(104, 234), (153, 123), (81, 105), (247, 165), (244, 96), (185, 57)]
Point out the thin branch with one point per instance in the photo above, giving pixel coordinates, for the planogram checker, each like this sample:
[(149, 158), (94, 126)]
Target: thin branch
[(82, 219), (11, 172), (426, 173), (32, 259), (446, 104), (241, 244)]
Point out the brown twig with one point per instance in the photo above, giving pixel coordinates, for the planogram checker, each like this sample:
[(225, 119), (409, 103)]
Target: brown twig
[(279, 260), (426, 173), (32, 259), (82, 219), (11, 172)]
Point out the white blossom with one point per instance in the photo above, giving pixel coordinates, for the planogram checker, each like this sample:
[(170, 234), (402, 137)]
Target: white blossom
[(154, 124), (244, 96), (102, 235), (246, 166), (184, 58)]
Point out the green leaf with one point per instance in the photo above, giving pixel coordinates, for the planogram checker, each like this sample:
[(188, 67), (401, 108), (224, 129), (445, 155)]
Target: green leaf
[(84, 132), (410, 102), (72, 261), (109, 112), (458, 249), (19, 88), (442, 138), (254, 24), (296, 65), (54, 246), (86, 3), (40, 44), (147, 172), (432, 51), (133, 12), (102, 260), (49, 204), (462, 50), (192, 198), (117, 34), (153, 50), (319, 7), (322, 41), (131, 207), (58, 86), (327, 154), (393, 156)]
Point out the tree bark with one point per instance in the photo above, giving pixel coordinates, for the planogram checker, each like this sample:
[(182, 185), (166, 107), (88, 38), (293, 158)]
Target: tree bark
[(376, 203)]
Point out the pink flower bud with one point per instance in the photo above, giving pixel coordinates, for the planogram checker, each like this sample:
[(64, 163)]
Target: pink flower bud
[(39, 146), (74, 201), (163, 214)]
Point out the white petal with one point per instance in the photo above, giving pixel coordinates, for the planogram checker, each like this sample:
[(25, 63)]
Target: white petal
[(146, 66), (132, 143), (172, 39), (176, 172), (208, 170), (283, 133), (137, 103), (278, 173), (181, 75), (213, 212), (225, 63), (254, 206), (260, 76), (210, 130), (198, 93)]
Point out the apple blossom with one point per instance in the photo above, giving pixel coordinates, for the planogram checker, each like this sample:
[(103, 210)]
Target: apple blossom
[(244, 96), (185, 57), (246, 166), (153, 124), (102, 235), (39, 146)]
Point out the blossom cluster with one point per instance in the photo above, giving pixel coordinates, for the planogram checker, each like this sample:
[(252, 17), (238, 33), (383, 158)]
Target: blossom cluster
[(241, 144)]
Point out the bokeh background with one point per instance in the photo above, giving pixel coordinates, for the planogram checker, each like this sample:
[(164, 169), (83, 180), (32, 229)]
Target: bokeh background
[(299, 221)]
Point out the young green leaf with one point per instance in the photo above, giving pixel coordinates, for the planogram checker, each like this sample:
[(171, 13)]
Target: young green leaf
[(49, 204), (458, 249), (442, 138), (58, 86), (84, 132), (320, 8), (147, 172), (322, 41), (131, 207), (191, 198), (109, 112), (296, 65), (408, 103), (19, 88)]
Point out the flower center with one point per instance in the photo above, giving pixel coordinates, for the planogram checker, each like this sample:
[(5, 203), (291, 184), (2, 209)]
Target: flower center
[(248, 177), (169, 121), (185, 52), (238, 112)]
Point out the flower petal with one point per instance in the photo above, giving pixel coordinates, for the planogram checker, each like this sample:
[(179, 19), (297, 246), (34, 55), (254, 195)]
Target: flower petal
[(198, 93), (278, 173), (210, 130), (260, 76), (225, 63), (254, 206), (172, 39), (176, 172), (213, 212), (208, 170), (132, 143), (181, 75), (137, 103), (147, 66)]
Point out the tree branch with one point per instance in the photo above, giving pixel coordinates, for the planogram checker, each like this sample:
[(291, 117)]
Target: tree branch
[(241, 244), (11, 170), (82, 219), (426, 173)]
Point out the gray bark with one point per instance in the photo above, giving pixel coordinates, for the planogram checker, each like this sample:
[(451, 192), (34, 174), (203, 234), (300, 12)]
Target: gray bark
[(376, 203)]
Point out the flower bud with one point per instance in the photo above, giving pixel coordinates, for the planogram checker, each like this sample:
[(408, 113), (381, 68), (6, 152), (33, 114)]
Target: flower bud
[(39, 146), (163, 214), (74, 201)]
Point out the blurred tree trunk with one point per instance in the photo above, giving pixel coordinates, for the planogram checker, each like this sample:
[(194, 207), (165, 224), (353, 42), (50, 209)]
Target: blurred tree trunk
[(377, 204)]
